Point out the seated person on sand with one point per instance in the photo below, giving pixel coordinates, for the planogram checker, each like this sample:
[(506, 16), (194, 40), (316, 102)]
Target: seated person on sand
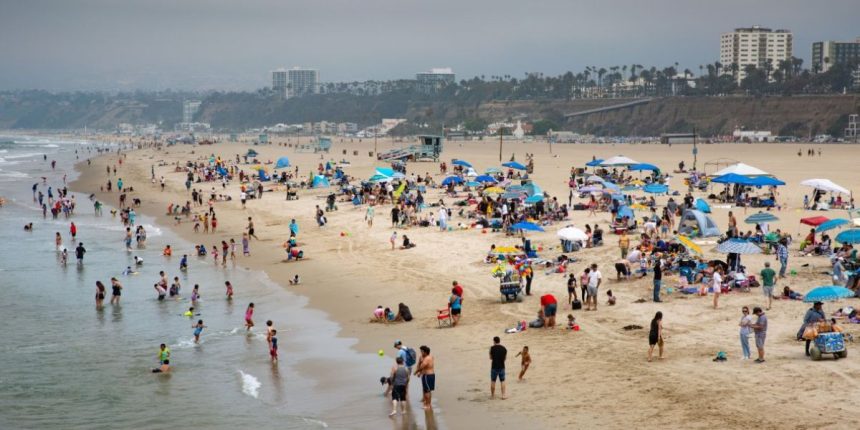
[(788, 293), (610, 299), (622, 269), (378, 315), (295, 253), (407, 244), (403, 313)]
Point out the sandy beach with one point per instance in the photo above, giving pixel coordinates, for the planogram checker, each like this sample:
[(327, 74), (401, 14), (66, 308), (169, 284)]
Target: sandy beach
[(596, 376)]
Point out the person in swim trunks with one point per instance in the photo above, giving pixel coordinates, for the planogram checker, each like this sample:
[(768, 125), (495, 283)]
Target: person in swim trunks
[(426, 372)]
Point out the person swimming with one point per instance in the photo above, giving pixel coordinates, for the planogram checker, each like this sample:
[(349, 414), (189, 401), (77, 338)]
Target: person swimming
[(138, 261)]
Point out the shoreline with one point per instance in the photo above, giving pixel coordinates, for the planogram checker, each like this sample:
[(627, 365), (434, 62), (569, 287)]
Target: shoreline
[(447, 400)]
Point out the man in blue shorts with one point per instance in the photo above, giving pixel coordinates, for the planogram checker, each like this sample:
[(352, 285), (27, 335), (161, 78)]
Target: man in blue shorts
[(498, 354)]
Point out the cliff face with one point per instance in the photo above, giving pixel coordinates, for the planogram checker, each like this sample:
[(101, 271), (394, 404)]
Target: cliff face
[(719, 116)]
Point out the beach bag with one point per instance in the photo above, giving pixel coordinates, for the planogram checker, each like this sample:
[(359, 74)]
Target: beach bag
[(810, 332), (410, 357), (576, 305)]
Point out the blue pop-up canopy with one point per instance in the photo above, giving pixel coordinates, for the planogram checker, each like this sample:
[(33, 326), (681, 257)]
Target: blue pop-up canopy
[(282, 162)]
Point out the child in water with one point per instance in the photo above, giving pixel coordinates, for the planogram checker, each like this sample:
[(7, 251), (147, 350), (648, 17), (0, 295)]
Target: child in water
[(273, 350), (198, 328), (249, 317)]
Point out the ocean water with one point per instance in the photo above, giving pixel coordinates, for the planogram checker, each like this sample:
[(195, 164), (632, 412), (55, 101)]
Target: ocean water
[(68, 365)]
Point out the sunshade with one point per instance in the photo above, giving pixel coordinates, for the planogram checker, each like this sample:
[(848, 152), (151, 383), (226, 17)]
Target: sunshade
[(452, 180), (684, 240), (765, 181), (703, 206), (830, 225), (738, 246), (572, 234), (379, 178), (473, 184), (486, 178), (461, 163), (492, 170), (282, 162), (849, 236), (594, 179), (472, 173), (493, 190), (656, 189), (594, 163), (643, 166), (825, 185), (534, 199), (625, 211), (387, 171), (827, 293), (612, 186), (514, 195), (589, 189), (741, 169), (619, 160), (516, 188), (814, 220), (732, 178), (525, 225), (761, 217), (629, 188), (514, 165)]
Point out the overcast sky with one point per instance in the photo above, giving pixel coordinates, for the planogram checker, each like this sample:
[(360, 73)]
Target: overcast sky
[(233, 44)]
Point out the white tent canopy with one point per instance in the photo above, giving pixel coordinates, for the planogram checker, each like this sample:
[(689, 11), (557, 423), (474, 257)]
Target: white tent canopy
[(572, 234), (825, 185), (619, 160), (741, 169)]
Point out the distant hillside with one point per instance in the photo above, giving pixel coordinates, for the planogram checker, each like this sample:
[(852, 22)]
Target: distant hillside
[(796, 115)]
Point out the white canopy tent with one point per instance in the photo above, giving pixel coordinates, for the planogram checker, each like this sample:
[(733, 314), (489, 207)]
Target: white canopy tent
[(741, 169), (619, 160), (825, 185)]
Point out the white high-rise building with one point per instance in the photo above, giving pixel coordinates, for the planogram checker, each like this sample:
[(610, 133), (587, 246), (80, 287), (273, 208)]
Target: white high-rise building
[(754, 46), (279, 82), (189, 109), (302, 81), (436, 78)]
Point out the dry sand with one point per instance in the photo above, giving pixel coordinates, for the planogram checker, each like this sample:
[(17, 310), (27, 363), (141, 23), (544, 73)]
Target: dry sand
[(598, 376)]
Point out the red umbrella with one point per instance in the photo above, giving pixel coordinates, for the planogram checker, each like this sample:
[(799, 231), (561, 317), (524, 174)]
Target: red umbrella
[(814, 220)]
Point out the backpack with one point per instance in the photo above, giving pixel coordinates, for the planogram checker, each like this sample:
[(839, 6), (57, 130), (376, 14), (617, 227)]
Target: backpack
[(576, 305), (410, 357)]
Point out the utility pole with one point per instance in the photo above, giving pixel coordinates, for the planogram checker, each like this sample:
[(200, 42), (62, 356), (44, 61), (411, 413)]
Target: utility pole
[(501, 135), (695, 147)]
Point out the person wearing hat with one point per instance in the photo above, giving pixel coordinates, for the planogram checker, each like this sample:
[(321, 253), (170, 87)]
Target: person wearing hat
[(813, 316)]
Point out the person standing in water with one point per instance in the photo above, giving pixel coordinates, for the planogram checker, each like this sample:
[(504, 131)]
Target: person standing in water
[(249, 317), (116, 291), (229, 287), (73, 231), (198, 329), (58, 241), (79, 253), (400, 385), (426, 372), (273, 346), (100, 294)]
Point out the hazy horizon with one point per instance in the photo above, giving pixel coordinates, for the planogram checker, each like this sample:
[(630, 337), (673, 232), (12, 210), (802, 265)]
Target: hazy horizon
[(226, 45)]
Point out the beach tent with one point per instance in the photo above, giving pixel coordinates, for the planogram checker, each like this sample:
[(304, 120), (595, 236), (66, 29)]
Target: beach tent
[(825, 185), (814, 221), (514, 165), (741, 169), (380, 178), (221, 171), (625, 211), (262, 174), (697, 220), (534, 199), (619, 160), (532, 189), (251, 153), (282, 162), (703, 206), (320, 182), (385, 171)]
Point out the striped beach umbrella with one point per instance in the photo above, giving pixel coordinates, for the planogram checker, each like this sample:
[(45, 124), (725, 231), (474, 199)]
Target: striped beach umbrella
[(738, 246)]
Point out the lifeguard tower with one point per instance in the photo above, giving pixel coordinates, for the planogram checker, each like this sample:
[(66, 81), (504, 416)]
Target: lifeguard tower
[(320, 144), (429, 148)]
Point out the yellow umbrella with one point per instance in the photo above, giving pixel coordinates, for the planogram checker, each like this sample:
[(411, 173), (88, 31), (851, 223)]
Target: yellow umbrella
[(689, 244), (506, 249), (493, 190)]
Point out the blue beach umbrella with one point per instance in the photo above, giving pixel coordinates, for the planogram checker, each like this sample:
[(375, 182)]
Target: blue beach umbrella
[(827, 293), (452, 180), (282, 162), (611, 186), (830, 225), (594, 163), (849, 236), (486, 178), (387, 171), (644, 166), (530, 226), (514, 165), (761, 217), (656, 189), (738, 246), (473, 184), (534, 199), (461, 163)]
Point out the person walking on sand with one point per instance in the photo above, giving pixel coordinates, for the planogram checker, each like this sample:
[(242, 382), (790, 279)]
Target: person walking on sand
[(595, 278), (251, 229), (498, 355), (426, 372), (717, 285), (768, 277), (249, 317), (760, 329), (526, 361), (393, 240), (655, 336), (746, 328), (400, 386), (658, 277), (368, 216), (624, 244), (782, 257)]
